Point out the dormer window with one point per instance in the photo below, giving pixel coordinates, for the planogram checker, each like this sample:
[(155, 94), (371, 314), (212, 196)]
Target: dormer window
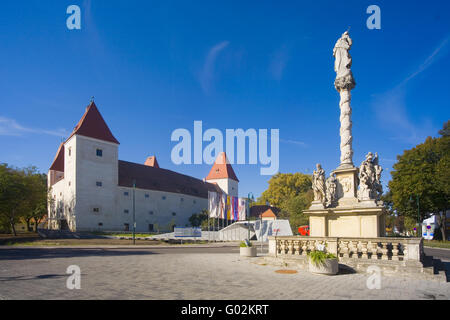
[(99, 153)]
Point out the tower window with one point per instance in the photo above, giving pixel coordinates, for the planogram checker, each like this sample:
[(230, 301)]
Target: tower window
[(126, 226), (100, 224), (99, 153), (98, 183), (96, 210), (150, 212), (174, 213), (150, 227), (164, 197), (70, 152), (125, 211), (147, 195), (125, 193)]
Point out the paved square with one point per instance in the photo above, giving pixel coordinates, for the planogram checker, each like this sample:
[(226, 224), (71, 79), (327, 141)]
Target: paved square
[(184, 273)]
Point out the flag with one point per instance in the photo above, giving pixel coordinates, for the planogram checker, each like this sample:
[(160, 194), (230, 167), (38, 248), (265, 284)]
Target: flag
[(228, 208), (242, 208), (213, 204), (223, 203), (235, 208)]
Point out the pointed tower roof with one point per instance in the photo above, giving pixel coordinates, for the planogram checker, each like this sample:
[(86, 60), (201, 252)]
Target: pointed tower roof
[(151, 162), (92, 125), (222, 169), (58, 162)]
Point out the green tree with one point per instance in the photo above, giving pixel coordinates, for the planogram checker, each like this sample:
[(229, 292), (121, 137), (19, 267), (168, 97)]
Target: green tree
[(292, 193), (13, 193), (420, 177), (197, 219)]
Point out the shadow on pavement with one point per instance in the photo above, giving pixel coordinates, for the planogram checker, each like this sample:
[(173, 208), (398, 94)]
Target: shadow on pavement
[(50, 253)]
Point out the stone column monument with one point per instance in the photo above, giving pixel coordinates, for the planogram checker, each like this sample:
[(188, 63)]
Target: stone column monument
[(347, 203)]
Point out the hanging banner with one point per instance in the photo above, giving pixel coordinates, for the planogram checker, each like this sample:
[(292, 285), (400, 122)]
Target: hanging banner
[(242, 209)]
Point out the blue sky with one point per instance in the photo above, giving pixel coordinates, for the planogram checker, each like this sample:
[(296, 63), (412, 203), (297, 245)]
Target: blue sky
[(156, 66)]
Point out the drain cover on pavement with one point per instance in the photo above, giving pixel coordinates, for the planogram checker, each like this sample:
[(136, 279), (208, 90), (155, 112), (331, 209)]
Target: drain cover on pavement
[(284, 271)]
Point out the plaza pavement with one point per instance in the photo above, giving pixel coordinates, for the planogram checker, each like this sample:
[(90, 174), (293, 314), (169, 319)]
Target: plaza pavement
[(184, 273)]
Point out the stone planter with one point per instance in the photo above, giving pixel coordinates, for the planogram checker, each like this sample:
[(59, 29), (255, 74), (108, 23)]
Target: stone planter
[(248, 251), (330, 267)]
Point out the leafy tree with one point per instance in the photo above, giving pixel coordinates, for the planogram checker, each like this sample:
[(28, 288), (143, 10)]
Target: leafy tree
[(197, 218), (13, 192), (292, 193), (422, 174)]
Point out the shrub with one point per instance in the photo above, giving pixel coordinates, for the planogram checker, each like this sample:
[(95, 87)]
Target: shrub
[(318, 257)]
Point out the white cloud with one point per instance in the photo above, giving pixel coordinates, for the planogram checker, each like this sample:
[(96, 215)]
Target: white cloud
[(10, 127), (207, 73), (296, 142), (391, 110), (278, 63)]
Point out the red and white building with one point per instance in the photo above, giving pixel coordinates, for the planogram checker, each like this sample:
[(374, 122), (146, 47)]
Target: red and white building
[(91, 189)]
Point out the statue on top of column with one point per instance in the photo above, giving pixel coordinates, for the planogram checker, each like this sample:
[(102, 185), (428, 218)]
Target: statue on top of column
[(343, 63)]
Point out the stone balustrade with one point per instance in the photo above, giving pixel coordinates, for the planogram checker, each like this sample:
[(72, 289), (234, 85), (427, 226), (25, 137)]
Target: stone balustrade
[(383, 248)]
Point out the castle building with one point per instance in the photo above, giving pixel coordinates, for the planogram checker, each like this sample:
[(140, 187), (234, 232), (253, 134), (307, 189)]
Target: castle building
[(92, 190)]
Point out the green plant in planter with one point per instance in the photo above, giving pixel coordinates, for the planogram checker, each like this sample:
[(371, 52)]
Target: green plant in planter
[(243, 244), (318, 257)]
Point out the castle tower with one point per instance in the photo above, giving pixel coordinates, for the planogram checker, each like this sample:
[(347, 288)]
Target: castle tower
[(90, 173), (223, 174)]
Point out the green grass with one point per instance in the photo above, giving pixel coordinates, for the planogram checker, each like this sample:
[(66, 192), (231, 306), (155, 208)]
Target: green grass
[(436, 244)]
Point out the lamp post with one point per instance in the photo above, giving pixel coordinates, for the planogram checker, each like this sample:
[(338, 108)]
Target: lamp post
[(418, 211), (134, 211), (250, 199)]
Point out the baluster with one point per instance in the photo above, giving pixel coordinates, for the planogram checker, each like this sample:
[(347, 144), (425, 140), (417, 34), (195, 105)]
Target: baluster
[(282, 247), (291, 247), (374, 250), (395, 251), (354, 249), (345, 249), (364, 250), (297, 247), (384, 251), (304, 248)]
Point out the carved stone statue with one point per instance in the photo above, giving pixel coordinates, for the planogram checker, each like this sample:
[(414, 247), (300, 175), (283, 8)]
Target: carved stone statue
[(331, 190), (370, 187), (378, 187), (343, 63), (318, 184)]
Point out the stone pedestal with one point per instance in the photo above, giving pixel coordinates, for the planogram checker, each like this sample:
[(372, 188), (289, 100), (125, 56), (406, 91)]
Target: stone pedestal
[(350, 217), (352, 221)]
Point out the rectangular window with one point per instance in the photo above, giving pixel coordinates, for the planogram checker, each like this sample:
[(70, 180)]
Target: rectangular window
[(174, 213), (70, 152), (150, 227), (98, 183), (125, 193), (99, 153), (100, 224), (150, 212), (147, 195), (125, 211), (126, 226), (96, 209)]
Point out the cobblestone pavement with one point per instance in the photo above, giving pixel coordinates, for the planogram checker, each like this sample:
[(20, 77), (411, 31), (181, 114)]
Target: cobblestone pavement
[(151, 274)]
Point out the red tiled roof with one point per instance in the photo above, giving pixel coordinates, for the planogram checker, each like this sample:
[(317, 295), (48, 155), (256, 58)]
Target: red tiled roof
[(151, 162), (58, 162), (258, 210), (222, 169), (93, 125), (153, 178)]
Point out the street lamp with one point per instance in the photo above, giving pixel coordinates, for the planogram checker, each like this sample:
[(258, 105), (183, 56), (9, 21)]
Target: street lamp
[(134, 211), (250, 198), (418, 210)]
